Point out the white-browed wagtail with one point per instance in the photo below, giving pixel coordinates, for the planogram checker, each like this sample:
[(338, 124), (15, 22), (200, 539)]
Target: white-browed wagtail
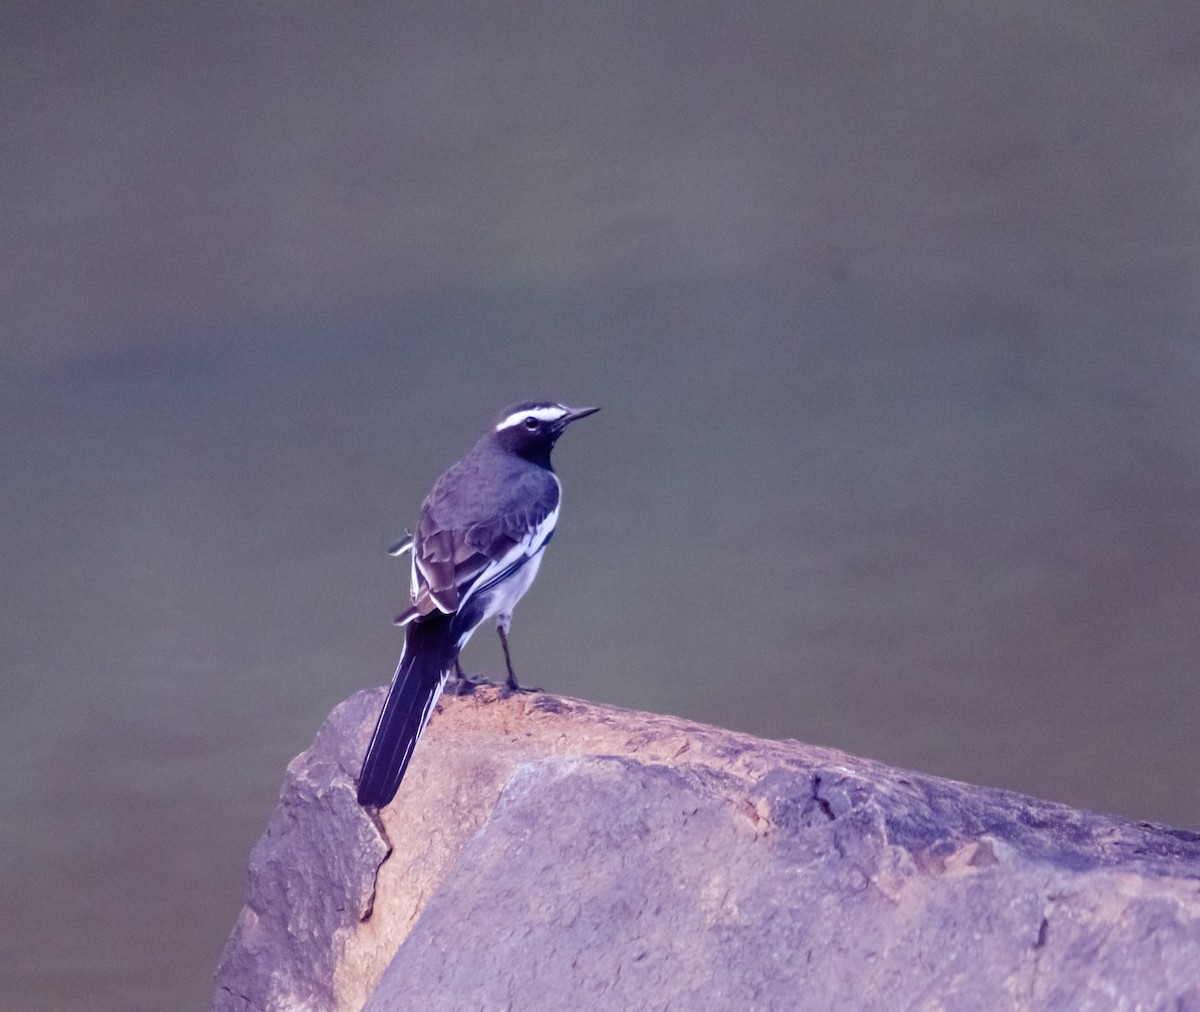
[(476, 549)]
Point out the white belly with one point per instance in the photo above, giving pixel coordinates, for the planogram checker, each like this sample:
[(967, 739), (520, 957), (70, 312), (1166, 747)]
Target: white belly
[(507, 596), (501, 601)]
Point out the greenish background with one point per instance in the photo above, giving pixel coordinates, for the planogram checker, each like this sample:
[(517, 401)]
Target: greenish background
[(892, 309)]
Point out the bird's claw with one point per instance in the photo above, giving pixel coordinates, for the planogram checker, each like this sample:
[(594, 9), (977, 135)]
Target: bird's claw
[(511, 688), (462, 684)]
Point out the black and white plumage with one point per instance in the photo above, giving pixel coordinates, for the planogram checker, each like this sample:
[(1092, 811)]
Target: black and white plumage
[(476, 549)]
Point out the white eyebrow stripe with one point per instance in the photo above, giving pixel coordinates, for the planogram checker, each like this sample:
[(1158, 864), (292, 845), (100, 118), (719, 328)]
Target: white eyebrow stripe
[(548, 414)]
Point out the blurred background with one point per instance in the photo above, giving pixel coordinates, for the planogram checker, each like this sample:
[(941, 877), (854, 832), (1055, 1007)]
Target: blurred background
[(892, 309)]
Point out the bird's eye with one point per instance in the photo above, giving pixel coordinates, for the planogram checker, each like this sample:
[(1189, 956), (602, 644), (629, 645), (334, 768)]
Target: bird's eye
[(531, 423)]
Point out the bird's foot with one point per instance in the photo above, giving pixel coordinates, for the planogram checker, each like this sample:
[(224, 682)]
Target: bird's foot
[(462, 684), (511, 687)]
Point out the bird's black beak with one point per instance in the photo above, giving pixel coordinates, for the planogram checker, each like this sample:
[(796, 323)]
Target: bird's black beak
[(577, 413)]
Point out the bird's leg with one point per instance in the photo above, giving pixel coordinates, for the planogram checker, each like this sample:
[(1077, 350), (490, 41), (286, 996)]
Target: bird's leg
[(461, 684), (512, 685)]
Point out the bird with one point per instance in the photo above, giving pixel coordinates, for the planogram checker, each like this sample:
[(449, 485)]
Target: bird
[(476, 549)]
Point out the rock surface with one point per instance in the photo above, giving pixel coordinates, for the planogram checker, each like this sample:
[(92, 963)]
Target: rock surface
[(545, 853)]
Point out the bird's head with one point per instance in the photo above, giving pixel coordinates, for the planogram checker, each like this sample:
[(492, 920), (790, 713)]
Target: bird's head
[(532, 428)]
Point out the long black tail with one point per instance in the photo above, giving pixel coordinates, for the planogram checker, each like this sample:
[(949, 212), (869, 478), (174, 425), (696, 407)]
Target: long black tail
[(429, 653)]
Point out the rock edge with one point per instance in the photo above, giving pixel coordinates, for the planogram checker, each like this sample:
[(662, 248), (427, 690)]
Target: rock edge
[(544, 852)]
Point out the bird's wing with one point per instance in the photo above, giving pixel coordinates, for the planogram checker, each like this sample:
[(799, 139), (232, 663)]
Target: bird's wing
[(449, 565), (518, 543), (403, 545), (446, 564)]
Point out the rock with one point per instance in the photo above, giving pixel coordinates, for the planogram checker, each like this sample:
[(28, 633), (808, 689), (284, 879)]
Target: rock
[(545, 853)]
